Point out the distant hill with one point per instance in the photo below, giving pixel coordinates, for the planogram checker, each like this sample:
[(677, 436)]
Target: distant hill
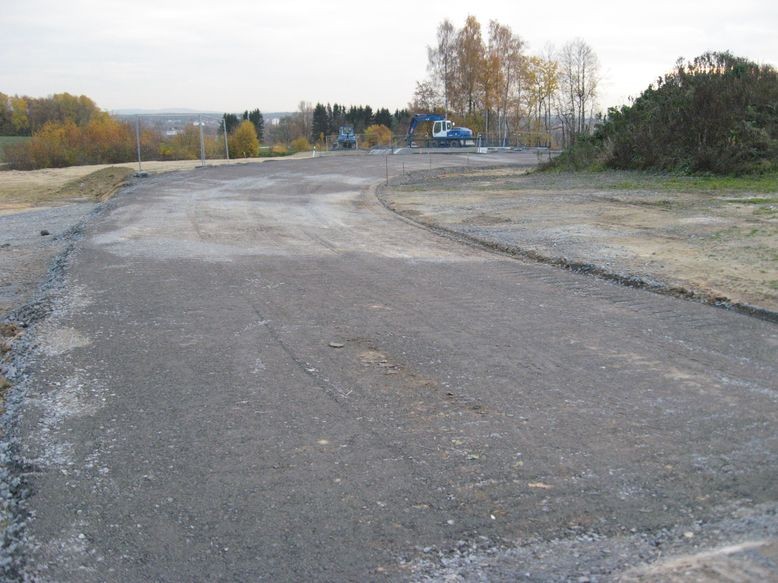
[(164, 111), (189, 112)]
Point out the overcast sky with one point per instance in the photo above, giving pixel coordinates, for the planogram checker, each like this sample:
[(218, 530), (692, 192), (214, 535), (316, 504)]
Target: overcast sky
[(233, 55)]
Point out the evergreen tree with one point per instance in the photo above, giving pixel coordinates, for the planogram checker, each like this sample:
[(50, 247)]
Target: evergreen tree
[(383, 117), (231, 120), (255, 117), (330, 129), (338, 117), (352, 116), (320, 125)]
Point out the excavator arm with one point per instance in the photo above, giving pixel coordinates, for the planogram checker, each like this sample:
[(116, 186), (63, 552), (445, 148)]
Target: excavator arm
[(421, 118)]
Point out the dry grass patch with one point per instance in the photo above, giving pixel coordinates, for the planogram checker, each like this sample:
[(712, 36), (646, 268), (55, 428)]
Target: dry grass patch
[(21, 190), (98, 185)]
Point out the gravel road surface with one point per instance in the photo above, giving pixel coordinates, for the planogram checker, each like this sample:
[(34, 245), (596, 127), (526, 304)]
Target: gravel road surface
[(258, 373), (25, 254)]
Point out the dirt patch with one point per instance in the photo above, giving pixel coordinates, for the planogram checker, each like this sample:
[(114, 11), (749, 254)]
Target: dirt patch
[(52, 187), (20, 190), (484, 219), (717, 244), (98, 185)]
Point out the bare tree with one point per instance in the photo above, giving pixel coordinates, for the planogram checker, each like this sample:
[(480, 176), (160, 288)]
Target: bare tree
[(425, 97), (441, 60), (578, 78), (470, 58), (304, 119), (505, 62)]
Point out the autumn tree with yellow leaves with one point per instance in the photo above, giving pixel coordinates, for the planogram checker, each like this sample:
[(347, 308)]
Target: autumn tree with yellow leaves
[(377, 135), (495, 88), (244, 143)]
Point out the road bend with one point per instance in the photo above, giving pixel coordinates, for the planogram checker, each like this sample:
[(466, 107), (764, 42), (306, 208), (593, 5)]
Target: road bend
[(257, 373)]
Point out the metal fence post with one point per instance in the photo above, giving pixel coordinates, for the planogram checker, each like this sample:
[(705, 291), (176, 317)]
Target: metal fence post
[(137, 141), (202, 141), (226, 144)]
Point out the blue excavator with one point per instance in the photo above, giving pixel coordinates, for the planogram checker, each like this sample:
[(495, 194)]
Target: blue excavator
[(347, 140), (444, 132)]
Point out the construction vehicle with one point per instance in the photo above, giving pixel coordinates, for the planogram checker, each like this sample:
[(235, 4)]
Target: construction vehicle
[(444, 132), (347, 140)]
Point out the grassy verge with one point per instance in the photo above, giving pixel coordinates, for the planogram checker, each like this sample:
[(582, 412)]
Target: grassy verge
[(761, 183), (635, 180)]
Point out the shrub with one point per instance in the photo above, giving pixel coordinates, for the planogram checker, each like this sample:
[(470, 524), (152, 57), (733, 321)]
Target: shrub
[(300, 145), (244, 142), (714, 114), (377, 135)]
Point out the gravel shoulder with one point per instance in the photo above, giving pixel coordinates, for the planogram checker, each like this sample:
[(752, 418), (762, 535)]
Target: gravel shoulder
[(718, 247)]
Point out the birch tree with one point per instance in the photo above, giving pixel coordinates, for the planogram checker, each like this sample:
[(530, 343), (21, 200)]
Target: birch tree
[(505, 63), (578, 77), (470, 58), (442, 60)]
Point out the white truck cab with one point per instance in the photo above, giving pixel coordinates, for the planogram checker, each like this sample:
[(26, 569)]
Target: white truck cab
[(441, 128)]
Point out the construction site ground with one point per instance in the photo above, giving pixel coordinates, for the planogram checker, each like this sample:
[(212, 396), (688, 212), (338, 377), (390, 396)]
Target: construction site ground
[(669, 234), (259, 372)]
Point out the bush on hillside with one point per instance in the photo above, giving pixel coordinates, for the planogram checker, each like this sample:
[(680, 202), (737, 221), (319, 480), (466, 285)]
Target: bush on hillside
[(717, 113)]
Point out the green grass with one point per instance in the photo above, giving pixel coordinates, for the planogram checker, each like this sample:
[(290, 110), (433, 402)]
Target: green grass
[(753, 200), (766, 211), (7, 141), (762, 188), (634, 180), (760, 183)]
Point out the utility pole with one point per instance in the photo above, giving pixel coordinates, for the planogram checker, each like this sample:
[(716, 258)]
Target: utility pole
[(202, 141), (137, 140), (226, 145)]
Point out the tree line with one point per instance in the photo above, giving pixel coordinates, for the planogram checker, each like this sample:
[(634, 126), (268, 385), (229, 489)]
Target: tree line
[(68, 130), (494, 87), (327, 119), (21, 115)]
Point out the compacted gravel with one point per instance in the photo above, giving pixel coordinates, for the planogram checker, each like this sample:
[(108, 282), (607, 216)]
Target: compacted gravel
[(25, 253), (260, 373)]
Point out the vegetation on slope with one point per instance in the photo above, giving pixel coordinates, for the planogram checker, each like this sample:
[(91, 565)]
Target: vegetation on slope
[(716, 114)]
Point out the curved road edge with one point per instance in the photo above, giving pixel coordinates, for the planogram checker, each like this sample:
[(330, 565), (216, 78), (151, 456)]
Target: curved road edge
[(632, 280)]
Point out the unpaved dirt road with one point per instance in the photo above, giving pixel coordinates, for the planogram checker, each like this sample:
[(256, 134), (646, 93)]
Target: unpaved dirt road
[(259, 373)]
